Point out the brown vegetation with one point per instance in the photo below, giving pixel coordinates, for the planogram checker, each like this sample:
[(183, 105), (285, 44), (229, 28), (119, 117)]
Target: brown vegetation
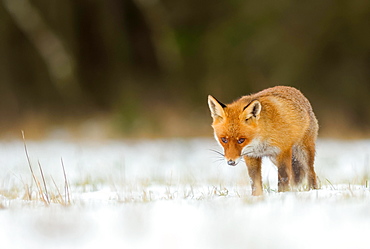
[(149, 65)]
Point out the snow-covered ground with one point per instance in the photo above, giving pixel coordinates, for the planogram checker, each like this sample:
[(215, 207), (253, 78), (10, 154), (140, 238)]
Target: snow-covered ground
[(176, 193)]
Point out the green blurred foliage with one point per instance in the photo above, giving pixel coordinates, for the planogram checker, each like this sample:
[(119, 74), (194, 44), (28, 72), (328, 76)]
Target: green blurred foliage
[(152, 63)]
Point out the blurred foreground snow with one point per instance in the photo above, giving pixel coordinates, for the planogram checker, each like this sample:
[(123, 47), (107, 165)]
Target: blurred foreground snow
[(179, 194)]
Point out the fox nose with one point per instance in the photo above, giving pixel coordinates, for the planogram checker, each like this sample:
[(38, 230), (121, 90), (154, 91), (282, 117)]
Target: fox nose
[(231, 162)]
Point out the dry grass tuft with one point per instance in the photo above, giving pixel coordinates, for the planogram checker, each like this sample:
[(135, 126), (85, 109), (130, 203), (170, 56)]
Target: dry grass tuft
[(42, 190)]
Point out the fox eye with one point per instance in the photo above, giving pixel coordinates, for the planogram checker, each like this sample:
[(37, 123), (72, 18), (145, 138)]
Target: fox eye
[(241, 140), (224, 140)]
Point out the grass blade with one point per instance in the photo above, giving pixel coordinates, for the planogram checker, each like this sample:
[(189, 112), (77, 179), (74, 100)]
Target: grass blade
[(66, 187)]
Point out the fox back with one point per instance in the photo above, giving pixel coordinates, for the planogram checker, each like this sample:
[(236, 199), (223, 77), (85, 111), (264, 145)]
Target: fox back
[(278, 123)]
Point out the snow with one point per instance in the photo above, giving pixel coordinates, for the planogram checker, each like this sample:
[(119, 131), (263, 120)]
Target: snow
[(177, 193)]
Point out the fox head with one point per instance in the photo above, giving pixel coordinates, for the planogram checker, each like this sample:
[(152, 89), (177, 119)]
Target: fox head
[(235, 126)]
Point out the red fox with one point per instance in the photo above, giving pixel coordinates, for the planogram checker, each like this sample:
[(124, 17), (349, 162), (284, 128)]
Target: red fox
[(277, 122)]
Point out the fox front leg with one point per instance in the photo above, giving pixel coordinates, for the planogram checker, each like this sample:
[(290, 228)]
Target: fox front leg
[(254, 171)]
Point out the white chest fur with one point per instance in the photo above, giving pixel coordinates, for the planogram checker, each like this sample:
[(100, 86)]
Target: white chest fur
[(258, 148)]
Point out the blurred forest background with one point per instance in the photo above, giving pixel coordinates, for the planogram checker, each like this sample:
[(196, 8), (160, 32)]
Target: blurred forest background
[(145, 67)]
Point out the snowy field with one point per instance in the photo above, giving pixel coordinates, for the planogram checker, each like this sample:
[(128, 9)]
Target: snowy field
[(175, 193)]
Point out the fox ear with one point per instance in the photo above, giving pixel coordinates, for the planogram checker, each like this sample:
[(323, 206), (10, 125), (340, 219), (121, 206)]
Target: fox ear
[(253, 109), (216, 107)]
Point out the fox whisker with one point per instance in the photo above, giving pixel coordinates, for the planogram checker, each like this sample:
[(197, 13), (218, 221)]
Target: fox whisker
[(220, 160), (246, 154), (220, 157), (217, 152)]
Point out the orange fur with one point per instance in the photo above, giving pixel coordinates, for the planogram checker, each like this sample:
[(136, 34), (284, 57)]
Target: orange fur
[(277, 122)]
